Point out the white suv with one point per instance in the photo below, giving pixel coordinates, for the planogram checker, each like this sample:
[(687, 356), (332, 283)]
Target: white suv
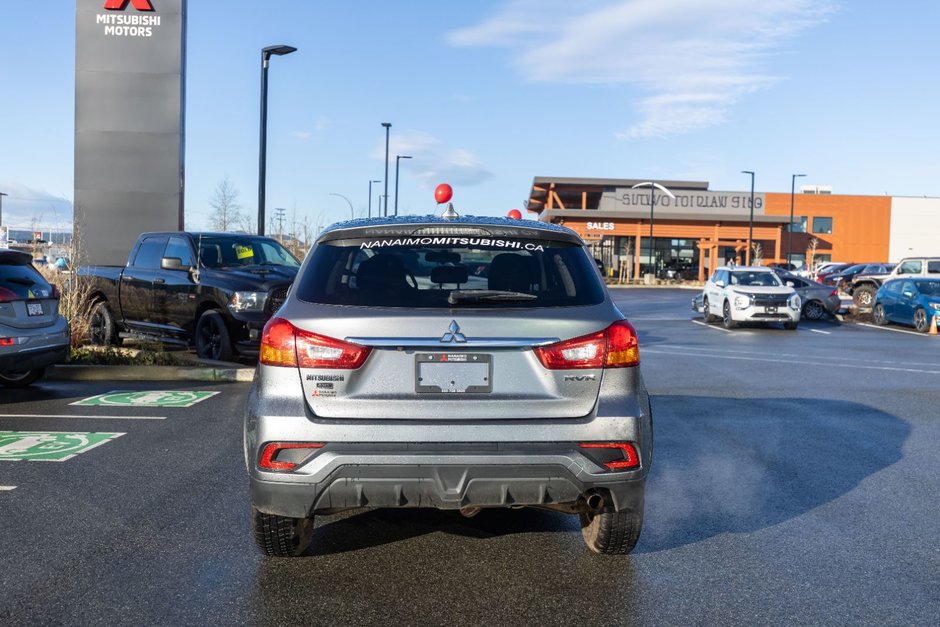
[(736, 294)]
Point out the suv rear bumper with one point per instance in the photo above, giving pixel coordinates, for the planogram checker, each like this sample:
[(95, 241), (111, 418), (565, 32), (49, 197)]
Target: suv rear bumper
[(405, 479)]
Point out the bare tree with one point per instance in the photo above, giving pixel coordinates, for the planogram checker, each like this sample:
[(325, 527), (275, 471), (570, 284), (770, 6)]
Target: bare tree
[(811, 252), (227, 213), (757, 258)]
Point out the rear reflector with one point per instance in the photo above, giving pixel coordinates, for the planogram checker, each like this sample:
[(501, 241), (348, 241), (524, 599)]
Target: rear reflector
[(283, 344), (614, 347), (630, 459), (271, 451)]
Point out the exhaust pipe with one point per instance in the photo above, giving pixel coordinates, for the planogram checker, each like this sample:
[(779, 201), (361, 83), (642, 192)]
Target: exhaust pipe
[(595, 502), (470, 512)]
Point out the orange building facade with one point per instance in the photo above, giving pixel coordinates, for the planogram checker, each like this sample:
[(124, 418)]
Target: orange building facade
[(694, 229)]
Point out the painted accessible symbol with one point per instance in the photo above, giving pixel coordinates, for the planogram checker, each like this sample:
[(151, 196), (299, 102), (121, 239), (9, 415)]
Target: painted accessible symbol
[(48, 446), (159, 398)]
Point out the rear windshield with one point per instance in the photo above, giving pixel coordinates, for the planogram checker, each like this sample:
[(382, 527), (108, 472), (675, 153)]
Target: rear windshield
[(450, 272), (19, 282)]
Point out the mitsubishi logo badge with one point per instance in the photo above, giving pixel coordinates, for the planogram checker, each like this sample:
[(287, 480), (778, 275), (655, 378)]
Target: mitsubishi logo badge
[(453, 334)]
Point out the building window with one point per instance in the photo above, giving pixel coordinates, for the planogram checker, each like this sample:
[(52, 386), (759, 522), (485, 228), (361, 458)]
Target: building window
[(822, 225), (798, 225)]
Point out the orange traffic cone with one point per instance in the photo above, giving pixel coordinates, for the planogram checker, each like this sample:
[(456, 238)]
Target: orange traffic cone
[(933, 326)]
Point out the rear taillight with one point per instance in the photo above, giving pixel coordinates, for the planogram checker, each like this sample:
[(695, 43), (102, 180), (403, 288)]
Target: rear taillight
[(272, 459), (7, 341), (283, 344), (614, 347), (7, 296), (56, 294), (613, 455), (834, 293)]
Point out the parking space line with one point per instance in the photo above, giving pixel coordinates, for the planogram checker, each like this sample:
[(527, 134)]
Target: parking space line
[(709, 326), (875, 326), (818, 331), (804, 362), (7, 488), (708, 351), (90, 416)]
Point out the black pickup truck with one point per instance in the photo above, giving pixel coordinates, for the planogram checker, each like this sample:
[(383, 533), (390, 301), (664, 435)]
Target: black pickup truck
[(214, 291)]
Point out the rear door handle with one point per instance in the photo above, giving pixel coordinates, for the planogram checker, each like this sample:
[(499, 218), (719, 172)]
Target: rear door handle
[(159, 281)]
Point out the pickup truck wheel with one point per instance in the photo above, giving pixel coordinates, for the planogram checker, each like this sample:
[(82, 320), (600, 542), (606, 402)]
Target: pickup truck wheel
[(878, 315), (279, 536), (611, 533), (814, 310), (864, 295), (212, 339), (20, 379), (726, 320), (102, 330), (921, 321)]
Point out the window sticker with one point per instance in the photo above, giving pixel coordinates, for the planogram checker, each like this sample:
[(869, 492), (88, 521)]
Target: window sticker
[(454, 241)]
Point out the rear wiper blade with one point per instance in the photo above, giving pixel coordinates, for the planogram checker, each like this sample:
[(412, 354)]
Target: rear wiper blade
[(463, 296)]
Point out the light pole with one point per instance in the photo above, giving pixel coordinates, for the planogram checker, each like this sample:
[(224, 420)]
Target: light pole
[(1, 207), (750, 224), (370, 196), (263, 143), (398, 159), (653, 187), (352, 212), (388, 126), (790, 227)]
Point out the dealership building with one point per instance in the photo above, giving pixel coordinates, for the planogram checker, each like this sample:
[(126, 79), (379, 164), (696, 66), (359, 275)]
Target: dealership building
[(695, 229)]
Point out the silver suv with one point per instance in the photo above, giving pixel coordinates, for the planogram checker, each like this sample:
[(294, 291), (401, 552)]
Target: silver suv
[(32, 333), (454, 363)]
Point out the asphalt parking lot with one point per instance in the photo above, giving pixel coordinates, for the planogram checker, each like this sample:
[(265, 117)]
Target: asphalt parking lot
[(794, 482)]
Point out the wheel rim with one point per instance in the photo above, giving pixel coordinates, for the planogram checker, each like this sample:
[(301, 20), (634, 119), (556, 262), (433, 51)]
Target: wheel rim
[(814, 310), (879, 314), (920, 320), (705, 307), (864, 298), (209, 339), (726, 314)]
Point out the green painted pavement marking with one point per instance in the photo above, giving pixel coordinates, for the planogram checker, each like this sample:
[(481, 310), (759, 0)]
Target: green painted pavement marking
[(125, 398), (48, 446)]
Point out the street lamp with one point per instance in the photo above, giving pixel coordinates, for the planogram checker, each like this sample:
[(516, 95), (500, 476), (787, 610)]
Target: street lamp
[(653, 187), (398, 159), (263, 143), (370, 196), (388, 126), (352, 213), (790, 228), (750, 224)]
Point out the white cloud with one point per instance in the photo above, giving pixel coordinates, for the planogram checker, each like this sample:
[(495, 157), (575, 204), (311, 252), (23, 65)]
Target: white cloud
[(691, 60), (431, 162), (302, 135), (24, 206)]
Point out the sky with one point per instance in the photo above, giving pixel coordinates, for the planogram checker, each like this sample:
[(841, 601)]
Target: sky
[(486, 95)]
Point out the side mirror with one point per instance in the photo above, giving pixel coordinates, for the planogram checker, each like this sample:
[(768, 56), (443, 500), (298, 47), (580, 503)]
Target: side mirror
[(720, 283), (173, 263)]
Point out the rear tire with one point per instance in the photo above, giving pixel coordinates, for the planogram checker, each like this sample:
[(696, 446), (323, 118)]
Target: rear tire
[(726, 320), (102, 329), (21, 379), (280, 536), (814, 310), (611, 533), (212, 339)]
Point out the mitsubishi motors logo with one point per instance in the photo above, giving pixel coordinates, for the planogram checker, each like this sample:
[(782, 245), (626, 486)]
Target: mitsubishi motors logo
[(118, 5), (131, 23), (453, 334)]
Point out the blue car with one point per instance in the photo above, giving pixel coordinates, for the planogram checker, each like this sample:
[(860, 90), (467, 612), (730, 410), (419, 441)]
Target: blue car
[(912, 301)]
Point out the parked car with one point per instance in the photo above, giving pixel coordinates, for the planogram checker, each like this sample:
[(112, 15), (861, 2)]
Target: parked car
[(913, 301), (33, 335), (825, 276), (782, 267), (819, 301), (214, 291), (865, 285), (843, 279), (380, 386), (735, 294)]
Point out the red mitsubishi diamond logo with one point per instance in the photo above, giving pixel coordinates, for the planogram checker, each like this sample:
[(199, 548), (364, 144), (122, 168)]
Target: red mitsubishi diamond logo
[(118, 5)]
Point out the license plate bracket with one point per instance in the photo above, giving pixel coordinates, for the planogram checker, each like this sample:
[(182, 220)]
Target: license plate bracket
[(34, 309), (453, 373), (771, 310)]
